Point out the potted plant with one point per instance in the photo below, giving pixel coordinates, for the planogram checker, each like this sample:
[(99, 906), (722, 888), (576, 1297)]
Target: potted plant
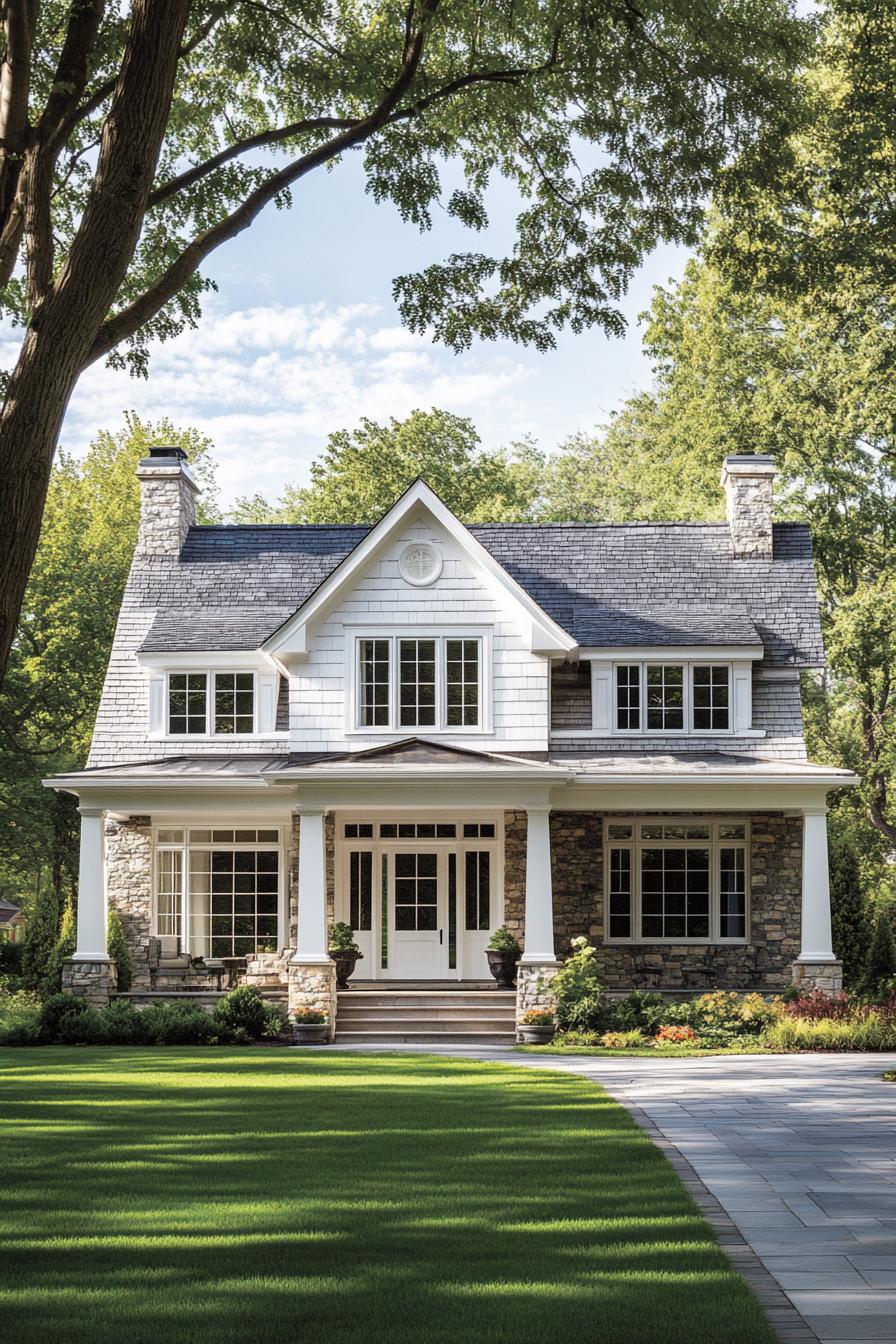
[(310, 1027), (344, 951), (503, 953), (537, 1027)]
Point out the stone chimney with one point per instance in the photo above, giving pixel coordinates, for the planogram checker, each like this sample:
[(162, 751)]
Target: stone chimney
[(747, 482), (167, 502)]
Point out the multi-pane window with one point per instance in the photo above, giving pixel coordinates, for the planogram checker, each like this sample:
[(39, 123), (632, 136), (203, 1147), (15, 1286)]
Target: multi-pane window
[(374, 669), (665, 697), (710, 699), (234, 702), (187, 702), (477, 888), (417, 683), (416, 892), (225, 709), (676, 881), (628, 696), (462, 683), (672, 698), (220, 887)]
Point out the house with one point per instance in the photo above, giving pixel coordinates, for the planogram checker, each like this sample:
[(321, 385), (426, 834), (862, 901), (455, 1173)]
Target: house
[(12, 922), (429, 730)]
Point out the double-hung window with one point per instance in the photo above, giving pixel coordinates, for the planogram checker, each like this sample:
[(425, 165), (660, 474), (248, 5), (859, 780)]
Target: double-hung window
[(203, 703), (672, 697), (430, 682), (676, 881)]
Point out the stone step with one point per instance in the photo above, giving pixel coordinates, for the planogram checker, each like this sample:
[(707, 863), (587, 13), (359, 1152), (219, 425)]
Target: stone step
[(405, 999), (428, 1037), (442, 1025), (432, 986)]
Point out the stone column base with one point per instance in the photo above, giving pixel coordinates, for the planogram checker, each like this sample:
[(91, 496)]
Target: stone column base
[(823, 975), (533, 987), (93, 980), (312, 985)]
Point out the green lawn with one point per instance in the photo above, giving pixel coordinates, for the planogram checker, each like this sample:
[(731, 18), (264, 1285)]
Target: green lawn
[(281, 1197)]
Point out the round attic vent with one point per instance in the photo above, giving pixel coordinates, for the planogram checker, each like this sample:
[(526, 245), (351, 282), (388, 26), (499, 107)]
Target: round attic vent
[(420, 563)]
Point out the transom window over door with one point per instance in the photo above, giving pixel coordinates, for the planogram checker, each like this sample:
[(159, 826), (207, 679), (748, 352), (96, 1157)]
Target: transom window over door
[(671, 882), (420, 682)]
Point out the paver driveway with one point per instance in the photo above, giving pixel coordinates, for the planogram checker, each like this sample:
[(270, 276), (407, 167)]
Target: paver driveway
[(800, 1151)]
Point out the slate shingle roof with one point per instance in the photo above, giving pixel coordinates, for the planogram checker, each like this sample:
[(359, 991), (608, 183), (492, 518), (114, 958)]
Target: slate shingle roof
[(233, 586)]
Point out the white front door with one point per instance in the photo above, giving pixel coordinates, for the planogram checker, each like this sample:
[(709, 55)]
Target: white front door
[(416, 917)]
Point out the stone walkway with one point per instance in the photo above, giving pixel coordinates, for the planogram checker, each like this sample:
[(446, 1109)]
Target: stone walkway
[(799, 1152)]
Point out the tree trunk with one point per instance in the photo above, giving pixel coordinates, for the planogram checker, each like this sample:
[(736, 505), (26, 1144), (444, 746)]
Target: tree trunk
[(64, 325)]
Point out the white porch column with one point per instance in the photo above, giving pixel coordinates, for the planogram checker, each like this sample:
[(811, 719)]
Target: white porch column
[(92, 917), (815, 941), (311, 935), (539, 936)]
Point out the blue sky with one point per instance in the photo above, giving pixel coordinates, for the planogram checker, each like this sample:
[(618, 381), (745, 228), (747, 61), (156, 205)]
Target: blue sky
[(303, 338)]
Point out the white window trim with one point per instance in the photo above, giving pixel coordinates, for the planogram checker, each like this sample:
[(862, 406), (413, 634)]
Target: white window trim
[(356, 728), (210, 673), (184, 846), (634, 846), (688, 730)]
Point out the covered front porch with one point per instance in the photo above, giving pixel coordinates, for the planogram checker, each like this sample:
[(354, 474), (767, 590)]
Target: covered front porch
[(685, 877)]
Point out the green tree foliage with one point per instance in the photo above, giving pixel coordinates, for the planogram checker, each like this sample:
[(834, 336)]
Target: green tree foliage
[(849, 909), (136, 141), (118, 951), (64, 947), (363, 471), (49, 700), (880, 962)]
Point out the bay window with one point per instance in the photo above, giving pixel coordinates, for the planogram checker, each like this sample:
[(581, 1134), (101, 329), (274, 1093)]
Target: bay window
[(676, 881), (430, 682)]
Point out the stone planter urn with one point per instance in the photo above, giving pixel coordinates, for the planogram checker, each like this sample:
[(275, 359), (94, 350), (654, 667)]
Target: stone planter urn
[(537, 1033), (345, 964), (310, 1033), (503, 967)]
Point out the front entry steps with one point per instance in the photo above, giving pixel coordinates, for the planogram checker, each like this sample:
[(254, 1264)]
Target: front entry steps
[(413, 1015)]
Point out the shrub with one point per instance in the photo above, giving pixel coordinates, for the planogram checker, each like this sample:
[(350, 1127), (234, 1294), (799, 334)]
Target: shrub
[(724, 1013), (579, 999), (816, 1005), (243, 1015), (870, 1030), (675, 1035), (11, 958), (880, 963), (341, 938), (118, 951), (309, 1017), (578, 1038), (19, 1018), (87, 1028), (178, 1024), (63, 947), (123, 1024), (537, 1017), (55, 1009), (642, 1010), (502, 940), (622, 1040)]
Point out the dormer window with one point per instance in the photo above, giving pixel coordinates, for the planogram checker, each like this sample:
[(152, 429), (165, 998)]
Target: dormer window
[(672, 697), (431, 682), (228, 711)]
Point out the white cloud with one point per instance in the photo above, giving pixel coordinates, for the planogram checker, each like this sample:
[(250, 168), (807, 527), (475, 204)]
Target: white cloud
[(268, 384)]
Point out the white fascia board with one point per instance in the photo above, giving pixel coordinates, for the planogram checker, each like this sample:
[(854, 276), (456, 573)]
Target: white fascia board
[(348, 775), (237, 660), (80, 785), (666, 653), (833, 779), (545, 635)]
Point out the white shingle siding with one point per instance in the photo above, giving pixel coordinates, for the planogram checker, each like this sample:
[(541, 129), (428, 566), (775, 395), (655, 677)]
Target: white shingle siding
[(321, 700)]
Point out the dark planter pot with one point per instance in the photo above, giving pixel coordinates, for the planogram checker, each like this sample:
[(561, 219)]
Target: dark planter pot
[(310, 1033), (503, 967), (536, 1034), (345, 964)]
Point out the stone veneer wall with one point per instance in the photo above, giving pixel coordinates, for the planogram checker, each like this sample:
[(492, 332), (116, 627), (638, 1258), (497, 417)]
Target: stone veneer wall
[(129, 887), (577, 850)]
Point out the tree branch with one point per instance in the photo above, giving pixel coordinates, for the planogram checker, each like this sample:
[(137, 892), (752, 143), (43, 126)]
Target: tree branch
[(20, 18), (123, 324), (70, 79)]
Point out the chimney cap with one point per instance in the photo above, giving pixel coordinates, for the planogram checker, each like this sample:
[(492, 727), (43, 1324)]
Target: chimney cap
[(168, 451), (747, 463)]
